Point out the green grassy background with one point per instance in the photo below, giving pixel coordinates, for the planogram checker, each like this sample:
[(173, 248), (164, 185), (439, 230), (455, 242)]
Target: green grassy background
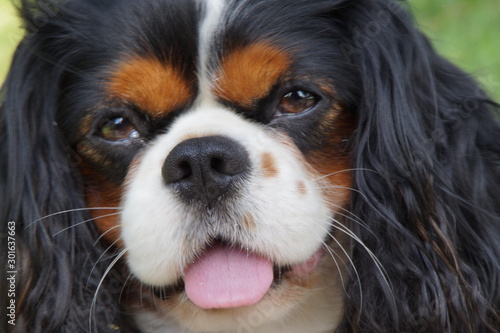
[(10, 34), (465, 31)]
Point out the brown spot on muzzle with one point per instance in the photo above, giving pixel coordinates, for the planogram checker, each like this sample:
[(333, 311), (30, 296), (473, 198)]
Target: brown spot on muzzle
[(269, 168)]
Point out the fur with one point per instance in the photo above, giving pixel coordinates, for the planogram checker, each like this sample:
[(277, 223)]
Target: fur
[(414, 242)]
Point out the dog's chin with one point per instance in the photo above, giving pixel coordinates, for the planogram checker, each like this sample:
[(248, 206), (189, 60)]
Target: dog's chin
[(290, 288)]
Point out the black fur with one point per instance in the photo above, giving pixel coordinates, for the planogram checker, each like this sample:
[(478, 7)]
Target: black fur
[(426, 152)]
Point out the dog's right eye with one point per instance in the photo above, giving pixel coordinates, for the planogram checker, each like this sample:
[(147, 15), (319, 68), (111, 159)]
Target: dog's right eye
[(117, 129)]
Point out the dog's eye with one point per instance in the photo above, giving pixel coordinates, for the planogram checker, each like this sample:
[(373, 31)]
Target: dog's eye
[(297, 101), (118, 128)]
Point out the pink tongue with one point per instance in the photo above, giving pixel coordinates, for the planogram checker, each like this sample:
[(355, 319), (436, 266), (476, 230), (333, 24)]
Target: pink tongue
[(226, 278)]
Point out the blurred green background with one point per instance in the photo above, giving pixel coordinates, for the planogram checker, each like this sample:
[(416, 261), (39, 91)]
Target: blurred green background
[(465, 31)]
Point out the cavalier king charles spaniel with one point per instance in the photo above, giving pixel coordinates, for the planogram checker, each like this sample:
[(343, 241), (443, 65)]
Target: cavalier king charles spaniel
[(263, 166)]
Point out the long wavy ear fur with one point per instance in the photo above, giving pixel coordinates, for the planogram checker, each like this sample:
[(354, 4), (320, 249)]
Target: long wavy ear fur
[(57, 271), (427, 151)]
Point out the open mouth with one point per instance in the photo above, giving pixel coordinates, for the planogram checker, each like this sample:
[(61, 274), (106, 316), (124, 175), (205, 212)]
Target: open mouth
[(226, 277)]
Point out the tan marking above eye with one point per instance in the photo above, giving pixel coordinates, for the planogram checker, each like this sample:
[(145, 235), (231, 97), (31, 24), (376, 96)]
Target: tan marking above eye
[(249, 73), (153, 86)]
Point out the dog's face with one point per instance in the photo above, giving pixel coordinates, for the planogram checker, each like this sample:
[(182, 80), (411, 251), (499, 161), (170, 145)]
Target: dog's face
[(250, 166), (227, 148)]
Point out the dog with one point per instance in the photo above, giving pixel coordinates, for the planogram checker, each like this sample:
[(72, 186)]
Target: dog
[(245, 166)]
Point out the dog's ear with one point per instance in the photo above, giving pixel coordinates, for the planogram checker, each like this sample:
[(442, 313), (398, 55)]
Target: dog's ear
[(426, 154), (57, 253)]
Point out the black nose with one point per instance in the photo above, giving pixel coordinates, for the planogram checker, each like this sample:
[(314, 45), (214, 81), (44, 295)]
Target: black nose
[(206, 168)]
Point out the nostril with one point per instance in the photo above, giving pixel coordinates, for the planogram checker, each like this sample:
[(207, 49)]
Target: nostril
[(176, 171), (186, 169), (217, 164)]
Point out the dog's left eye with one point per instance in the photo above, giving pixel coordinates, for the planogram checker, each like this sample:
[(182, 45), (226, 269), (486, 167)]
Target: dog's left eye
[(118, 128), (297, 101)]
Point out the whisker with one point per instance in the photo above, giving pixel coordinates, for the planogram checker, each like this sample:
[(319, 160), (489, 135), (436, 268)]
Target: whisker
[(152, 291), (94, 299), (349, 215), (100, 257), (83, 222), (345, 170), (69, 211), (123, 287), (334, 186), (377, 262), (332, 254), (141, 296), (104, 233), (354, 217), (352, 265)]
